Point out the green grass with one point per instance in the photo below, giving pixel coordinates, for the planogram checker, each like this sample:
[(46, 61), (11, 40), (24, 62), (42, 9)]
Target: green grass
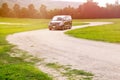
[(78, 72), (106, 33), (15, 68), (56, 66), (7, 63), (71, 74), (21, 72), (74, 74), (78, 22)]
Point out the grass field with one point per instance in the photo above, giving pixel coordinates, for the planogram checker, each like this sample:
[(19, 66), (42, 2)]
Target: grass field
[(106, 33), (14, 68)]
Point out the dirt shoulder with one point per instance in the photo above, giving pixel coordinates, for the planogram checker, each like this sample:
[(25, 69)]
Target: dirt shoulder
[(102, 59)]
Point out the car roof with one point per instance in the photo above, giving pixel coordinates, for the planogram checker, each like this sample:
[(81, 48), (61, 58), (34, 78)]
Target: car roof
[(62, 16)]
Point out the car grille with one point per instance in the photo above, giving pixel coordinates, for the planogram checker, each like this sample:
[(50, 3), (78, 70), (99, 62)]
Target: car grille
[(55, 24)]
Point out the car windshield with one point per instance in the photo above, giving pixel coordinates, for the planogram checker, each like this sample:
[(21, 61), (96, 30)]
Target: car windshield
[(57, 19)]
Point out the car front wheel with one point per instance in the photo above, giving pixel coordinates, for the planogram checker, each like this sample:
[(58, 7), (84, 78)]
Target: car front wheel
[(50, 28)]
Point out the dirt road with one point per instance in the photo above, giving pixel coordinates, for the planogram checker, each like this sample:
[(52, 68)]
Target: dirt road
[(102, 59)]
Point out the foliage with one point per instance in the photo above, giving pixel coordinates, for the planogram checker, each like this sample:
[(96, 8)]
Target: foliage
[(89, 10)]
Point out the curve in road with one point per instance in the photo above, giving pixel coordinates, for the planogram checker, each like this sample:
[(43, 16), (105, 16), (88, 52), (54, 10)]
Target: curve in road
[(102, 59)]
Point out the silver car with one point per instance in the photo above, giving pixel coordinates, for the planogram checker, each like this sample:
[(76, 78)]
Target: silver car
[(60, 22)]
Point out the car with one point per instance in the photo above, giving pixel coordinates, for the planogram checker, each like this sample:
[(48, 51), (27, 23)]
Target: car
[(60, 22)]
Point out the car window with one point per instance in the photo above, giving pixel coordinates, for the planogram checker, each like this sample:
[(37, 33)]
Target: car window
[(61, 18), (57, 19), (68, 18)]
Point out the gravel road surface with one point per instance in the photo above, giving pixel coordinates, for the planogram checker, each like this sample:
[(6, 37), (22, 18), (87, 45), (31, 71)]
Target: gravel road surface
[(102, 59)]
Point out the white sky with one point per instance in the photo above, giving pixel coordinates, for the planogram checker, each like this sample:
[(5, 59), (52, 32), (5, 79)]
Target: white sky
[(100, 2)]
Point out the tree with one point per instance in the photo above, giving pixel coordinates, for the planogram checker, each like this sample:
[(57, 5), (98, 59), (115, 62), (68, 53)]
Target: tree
[(24, 13), (16, 10), (5, 11), (89, 9), (0, 12), (32, 11), (43, 11), (113, 11)]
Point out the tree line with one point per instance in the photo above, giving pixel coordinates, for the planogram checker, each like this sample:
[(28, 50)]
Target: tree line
[(87, 10)]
